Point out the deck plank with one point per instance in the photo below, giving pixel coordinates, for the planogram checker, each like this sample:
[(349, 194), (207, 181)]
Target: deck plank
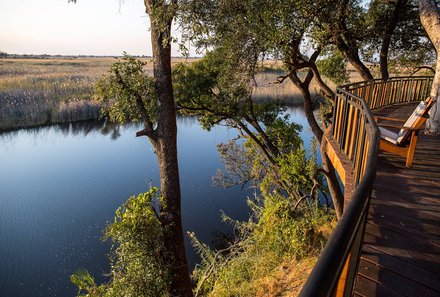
[(402, 268), (400, 284), (366, 287), (400, 253)]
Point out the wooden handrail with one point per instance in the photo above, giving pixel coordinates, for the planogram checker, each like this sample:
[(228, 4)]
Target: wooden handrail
[(352, 140), (398, 90)]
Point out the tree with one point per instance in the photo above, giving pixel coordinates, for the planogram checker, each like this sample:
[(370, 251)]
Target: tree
[(161, 129), (139, 265), (346, 27), (164, 139), (379, 30), (248, 30), (389, 27), (430, 19), (216, 91), (395, 35)]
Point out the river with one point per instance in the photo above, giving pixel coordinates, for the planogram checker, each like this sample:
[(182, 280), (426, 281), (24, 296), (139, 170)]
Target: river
[(60, 185)]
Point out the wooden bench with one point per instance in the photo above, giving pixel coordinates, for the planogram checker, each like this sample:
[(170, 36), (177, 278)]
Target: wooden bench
[(403, 143)]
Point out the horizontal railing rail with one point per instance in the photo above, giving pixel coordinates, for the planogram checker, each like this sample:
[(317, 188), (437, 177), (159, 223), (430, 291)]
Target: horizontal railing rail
[(355, 137), (398, 90)]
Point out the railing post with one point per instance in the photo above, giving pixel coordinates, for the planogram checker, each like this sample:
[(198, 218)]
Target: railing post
[(410, 93), (355, 254), (344, 123), (334, 116)]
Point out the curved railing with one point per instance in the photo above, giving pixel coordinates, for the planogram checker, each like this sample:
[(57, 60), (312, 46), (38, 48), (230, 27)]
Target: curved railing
[(398, 90), (352, 144)]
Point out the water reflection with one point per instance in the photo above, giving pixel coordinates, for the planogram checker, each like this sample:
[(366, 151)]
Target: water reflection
[(81, 128), (61, 184)]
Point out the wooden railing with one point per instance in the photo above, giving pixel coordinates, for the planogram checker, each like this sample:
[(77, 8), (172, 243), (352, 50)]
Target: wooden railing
[(398, 90), (352, 144)]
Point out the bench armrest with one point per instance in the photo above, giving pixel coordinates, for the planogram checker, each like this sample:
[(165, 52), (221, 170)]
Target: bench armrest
[(411, 128)]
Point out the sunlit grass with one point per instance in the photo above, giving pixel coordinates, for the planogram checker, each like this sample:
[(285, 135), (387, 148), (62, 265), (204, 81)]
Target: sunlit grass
[(35, 92), (267, 87), (55, 90), (39, 91)]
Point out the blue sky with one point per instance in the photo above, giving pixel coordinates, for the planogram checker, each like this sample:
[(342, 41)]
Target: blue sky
[(89, 27)]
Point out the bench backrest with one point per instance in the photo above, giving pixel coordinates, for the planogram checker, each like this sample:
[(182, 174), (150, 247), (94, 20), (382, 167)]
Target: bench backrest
[(416, 120)]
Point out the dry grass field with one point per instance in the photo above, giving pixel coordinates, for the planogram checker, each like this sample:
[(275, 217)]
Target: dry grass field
[(39, 91), (35, 91), (267, 89)]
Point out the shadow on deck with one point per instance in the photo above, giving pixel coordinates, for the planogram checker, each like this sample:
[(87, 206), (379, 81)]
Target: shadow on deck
[(400, 253)]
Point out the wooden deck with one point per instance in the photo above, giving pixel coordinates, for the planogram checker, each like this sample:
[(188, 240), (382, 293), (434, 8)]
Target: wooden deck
[(401, 245)]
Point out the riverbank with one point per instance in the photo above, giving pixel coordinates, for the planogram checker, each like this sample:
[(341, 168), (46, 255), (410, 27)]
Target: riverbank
[(55, 90)]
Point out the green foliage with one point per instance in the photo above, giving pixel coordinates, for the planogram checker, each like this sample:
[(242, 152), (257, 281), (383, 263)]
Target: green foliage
[(215, 90), (129, 92), (241, 162), (138, 267), (197, 90), (284, 134), (277, 234), (287, 223), (246, 29), (86, 283), (334, 67), (409, 45), (294, 173), (299, 171), (288, 232)]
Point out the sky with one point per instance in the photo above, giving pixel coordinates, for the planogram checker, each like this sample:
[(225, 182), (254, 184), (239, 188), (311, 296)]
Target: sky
[(89, 27)]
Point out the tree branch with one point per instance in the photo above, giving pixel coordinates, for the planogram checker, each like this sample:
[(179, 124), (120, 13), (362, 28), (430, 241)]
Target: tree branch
[(417, 69), (149, 129)]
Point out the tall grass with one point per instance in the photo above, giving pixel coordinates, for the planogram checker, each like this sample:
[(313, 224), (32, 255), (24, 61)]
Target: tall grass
[(35, 92), (266, 88), (273, 254)]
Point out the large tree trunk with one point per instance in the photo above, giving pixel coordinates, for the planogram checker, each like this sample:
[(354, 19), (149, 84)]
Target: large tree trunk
[(170, 208), (351, 53), (332, 181), (386, 40), (430, 19), (347, 43), (384, 56)]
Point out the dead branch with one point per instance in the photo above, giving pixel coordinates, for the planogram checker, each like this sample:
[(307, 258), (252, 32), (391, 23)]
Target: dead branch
[(418, 68), (280, 79)]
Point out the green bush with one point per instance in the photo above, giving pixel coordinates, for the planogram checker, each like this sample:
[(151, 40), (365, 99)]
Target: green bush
[(278, 234), (138, 267), (334, 67), (285, 232)]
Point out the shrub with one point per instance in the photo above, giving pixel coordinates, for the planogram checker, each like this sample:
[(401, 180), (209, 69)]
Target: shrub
[(277, 235), (138, 267)]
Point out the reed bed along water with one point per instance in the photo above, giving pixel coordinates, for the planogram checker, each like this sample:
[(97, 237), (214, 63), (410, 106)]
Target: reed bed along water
[(267, 88), (36, 92), (42, 91)]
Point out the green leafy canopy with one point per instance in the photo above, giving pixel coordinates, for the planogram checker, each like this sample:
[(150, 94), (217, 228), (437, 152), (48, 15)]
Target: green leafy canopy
[(138, 267), (129, 92)]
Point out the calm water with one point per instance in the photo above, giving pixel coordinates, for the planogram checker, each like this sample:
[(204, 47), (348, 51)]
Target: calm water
[(60, 185)]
